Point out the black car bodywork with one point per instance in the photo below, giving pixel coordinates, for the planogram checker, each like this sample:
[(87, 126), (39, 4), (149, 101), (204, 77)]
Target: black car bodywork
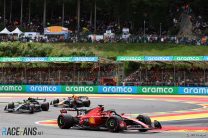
[(71, 102), (29, 105)]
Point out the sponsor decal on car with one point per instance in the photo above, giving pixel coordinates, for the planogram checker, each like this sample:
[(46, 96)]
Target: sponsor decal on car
[(92, 120)]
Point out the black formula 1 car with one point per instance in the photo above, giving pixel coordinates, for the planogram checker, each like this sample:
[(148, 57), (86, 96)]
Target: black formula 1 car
[(29, 105), (72, 102), (98, 119)]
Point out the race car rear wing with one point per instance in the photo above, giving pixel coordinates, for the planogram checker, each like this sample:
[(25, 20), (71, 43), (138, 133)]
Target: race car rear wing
[(79, 111), (36, 99)]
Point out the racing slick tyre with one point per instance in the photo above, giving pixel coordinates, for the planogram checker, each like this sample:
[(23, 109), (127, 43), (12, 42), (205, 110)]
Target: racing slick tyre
[(146, 120), (56, 101), (113, 124), (31, 109), (5, 108), (157, 125), (86, 103), (45, 106), (10, 106), (65, 121)]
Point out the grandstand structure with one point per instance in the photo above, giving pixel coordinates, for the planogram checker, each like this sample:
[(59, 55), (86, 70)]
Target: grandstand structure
[(126, 71), (59, 71), (167, 71)]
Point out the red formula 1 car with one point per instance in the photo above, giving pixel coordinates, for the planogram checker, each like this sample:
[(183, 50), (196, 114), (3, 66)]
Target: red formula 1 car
[(97, 118)]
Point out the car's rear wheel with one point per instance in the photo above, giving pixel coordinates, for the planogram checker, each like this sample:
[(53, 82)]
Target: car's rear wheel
[(87, 103), (113, 124), (146, 120), (45, 106), (65, 121)]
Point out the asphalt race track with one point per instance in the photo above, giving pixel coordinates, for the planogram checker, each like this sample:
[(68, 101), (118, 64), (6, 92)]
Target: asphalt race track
[(181, 116)]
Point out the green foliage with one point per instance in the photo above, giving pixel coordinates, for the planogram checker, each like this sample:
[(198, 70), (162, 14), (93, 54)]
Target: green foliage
[(111, 50), (174, 30), (18, 49), (130, 67), (206, 31)]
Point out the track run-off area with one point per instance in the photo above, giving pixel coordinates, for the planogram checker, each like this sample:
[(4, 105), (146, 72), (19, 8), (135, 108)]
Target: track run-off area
[(180, 116)]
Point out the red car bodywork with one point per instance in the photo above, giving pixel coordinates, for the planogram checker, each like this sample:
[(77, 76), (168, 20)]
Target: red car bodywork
[(98, 118)]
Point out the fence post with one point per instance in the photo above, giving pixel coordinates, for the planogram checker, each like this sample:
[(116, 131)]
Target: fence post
[(204, 77), (40, 78), (2, 75), (184, 73), (59, 73), (26, 73), (98, 81), (174, 73), (49, 76)]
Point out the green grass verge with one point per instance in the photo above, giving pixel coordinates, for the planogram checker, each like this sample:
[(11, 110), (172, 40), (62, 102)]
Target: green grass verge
[(101, 50), (113, 50)]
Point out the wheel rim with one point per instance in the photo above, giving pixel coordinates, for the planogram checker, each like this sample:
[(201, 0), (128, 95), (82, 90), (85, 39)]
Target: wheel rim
[(111, 123), (61, 121)]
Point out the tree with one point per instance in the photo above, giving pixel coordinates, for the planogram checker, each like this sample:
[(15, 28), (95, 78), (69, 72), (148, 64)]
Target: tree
[(44, 13), (21, 12)]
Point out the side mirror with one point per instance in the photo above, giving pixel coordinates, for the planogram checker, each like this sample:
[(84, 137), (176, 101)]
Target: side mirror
[(101, 105)]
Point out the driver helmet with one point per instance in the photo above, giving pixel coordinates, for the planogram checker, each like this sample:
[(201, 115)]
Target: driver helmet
[(74, 96)]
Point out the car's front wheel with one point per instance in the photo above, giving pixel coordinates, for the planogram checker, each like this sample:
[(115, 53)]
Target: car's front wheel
[(10, 106), (113, 124), (54, 102), (146, 120), (31, 109), (45, 106)]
